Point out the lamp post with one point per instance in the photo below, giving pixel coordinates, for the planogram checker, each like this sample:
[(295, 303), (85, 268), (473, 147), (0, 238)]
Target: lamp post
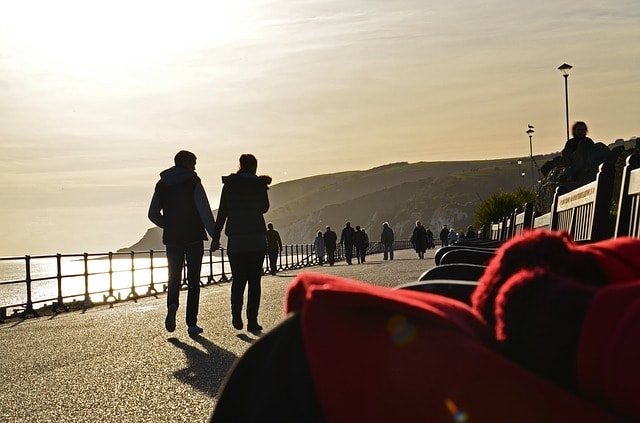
[(530, 132), (520, 170), (564, 68)]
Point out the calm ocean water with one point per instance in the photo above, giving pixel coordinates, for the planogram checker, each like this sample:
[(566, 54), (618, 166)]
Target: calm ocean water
[(124, 275), (44, 272)]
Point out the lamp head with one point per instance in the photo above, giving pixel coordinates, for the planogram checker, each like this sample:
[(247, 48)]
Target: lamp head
[(565, 68)]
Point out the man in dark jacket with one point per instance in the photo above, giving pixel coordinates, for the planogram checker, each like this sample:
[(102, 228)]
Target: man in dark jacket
[(386, 238), (274, 246), (243, 202), (346, 239), (181, 208), (330, 244)]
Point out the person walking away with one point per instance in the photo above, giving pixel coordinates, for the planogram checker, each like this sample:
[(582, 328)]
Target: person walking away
[(318, 247), (419, 239), (274, 247), (430, 243), (365, 246), (243, 202), (386, 238), (330, 244), (444, 236), (346, 240), (180, 207), (358, 243)]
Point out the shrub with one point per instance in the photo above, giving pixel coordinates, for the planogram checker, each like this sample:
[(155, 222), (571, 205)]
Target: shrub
[(501, 204)]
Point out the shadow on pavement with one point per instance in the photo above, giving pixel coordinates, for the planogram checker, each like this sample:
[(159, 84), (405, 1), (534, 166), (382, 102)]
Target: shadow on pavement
[(205, 370)]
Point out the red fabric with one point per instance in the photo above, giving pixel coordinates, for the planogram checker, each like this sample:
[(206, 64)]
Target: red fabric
[(381, 355), (608, 359), (552, 251)]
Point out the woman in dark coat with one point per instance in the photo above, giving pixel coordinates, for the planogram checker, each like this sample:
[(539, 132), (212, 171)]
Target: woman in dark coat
[(243, 202), (419, 239)]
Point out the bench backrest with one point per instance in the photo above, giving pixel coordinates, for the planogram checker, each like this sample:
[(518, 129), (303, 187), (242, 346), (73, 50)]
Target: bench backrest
[(542, 221), (628, 219), (523, 220), (584, 211)]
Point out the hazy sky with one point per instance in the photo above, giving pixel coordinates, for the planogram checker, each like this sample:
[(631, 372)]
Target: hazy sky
[(97, 97)]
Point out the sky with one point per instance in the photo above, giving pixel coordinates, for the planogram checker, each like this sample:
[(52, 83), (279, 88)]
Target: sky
[(96, 97)]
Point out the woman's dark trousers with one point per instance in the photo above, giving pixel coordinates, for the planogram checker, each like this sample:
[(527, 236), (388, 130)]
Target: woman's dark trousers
[(246, 269)]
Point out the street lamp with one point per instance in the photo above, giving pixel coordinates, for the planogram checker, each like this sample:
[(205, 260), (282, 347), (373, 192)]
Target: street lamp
[(564, 68), (520, 170), (530, 132)]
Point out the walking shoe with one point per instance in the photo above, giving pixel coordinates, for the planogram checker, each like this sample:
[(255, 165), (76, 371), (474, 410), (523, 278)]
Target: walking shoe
[(195, 330), (170, 320), (236, 321), (254, 327)]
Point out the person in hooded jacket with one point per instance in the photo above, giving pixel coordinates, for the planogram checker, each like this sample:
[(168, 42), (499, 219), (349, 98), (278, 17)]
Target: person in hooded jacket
[(180, 207), (243, 202)]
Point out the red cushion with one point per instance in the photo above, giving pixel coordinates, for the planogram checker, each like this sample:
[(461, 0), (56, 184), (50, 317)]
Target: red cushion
[(381, 355)]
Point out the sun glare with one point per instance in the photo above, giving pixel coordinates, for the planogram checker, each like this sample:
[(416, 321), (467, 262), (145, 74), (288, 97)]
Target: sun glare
[(96, 37)]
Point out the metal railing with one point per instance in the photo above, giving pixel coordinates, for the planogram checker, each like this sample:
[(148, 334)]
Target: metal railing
[(32, 283)]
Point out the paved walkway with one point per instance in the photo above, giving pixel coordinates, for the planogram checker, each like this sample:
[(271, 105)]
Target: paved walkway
[(118, 364)]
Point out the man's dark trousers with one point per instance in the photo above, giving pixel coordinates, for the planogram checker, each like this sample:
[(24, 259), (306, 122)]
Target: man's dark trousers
[(176, 255)]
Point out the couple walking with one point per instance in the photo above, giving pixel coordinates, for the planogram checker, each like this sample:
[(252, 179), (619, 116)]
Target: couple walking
[(180, 207)]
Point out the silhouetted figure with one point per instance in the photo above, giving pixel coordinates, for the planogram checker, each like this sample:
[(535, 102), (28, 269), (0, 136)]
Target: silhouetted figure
[(430, 243), (358, 243), (387, 238), (444, 236), (365, 246), (346, 239), (582, 156), (180, 207), (419, 239), (330, 244), (243, 202), (471, 233), (274, 246), (318, 246)]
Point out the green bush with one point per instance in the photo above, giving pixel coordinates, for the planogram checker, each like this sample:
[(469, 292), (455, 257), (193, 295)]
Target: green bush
[(501, 204)]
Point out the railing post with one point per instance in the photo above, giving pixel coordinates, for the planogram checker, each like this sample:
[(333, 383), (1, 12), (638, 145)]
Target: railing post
[(133, 294), (210, 278), (29, 307), (60, 301), (152, 289), (87, 298), (110, 295), (223, 277)]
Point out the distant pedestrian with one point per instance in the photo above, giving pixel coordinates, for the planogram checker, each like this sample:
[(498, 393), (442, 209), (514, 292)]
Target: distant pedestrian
[(181, 208), (419, 239), (444, 236), (453, 236), (330, 244), (358, 242), (318, 246), (386, 238), (430, 243), (274, 247), (471, 233), (346, 240), (243, 202), (365, 246)]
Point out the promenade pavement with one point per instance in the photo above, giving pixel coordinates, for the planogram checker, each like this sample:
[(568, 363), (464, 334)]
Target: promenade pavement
[(118, 364)]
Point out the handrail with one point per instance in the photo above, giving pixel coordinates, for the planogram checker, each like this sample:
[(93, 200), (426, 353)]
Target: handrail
[(29, 283)]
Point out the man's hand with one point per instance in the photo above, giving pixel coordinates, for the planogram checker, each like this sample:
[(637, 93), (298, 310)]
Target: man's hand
[(215, 245)]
